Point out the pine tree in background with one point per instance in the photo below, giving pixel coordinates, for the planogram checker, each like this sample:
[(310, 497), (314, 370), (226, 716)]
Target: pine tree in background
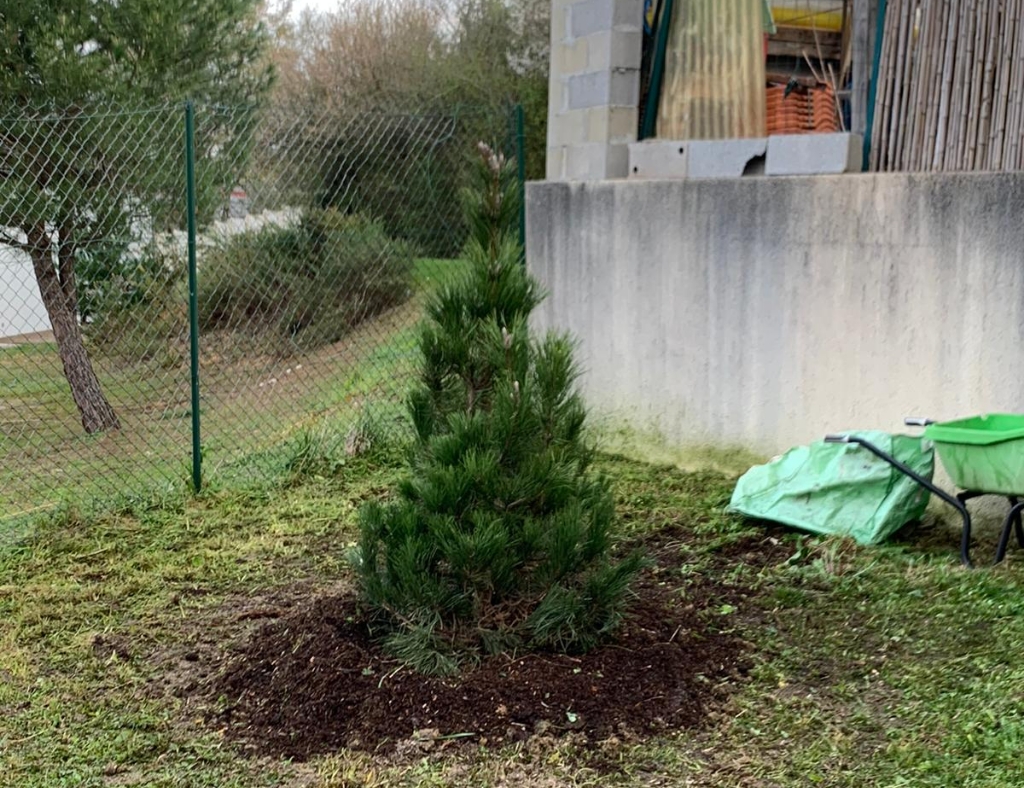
[(500, 537)]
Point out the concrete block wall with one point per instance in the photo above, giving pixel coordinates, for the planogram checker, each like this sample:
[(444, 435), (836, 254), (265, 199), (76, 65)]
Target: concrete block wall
[(765, 312), (594, 87)]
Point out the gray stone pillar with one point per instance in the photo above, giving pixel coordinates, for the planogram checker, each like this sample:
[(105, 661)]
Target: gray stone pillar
[(593, 104)]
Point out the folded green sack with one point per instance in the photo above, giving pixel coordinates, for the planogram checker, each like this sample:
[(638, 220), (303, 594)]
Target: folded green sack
[(840, 488)]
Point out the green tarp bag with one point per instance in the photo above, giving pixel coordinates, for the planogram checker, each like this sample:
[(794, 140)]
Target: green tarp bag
[(840, 488)]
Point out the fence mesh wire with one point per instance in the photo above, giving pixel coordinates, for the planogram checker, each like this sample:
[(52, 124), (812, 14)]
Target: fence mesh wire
[(319, 237)]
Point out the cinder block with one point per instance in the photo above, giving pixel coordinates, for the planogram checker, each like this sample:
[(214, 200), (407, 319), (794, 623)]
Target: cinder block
[(560, 12), (554, 163), (586, 162), (555, 97), (616, 161), (724, 158), (814, 154), (592, 16), (623, 123), (624, 88), (597, 124), (589, 90), (600, 51), (561, 95), (576, 56), (612, 124), (657, 159), (627, 48), (628, 15), (693, 158), (596, 161), (614, 49), (571, 128)]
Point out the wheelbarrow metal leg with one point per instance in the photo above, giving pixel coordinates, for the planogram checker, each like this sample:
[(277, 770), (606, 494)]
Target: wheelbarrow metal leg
[(1012, 522), (1017, 526)]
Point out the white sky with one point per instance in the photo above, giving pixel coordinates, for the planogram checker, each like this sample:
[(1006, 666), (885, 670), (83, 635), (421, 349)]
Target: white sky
[(298, 6)]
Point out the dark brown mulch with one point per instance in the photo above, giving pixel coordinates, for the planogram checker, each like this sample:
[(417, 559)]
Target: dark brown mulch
[(314, 680)]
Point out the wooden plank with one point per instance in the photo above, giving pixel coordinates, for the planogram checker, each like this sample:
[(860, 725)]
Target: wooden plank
[(777, 48), (783, 78), (807, 36)]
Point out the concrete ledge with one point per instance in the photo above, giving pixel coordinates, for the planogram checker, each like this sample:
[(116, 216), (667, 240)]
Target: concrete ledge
[(784, 154), (653, 159), (814, 154), (658, 159)]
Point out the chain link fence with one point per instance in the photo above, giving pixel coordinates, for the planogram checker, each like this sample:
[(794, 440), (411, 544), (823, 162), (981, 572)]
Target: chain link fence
[(317, 238)]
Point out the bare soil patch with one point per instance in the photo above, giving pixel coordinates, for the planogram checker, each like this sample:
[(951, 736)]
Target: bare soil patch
[(315, 679)]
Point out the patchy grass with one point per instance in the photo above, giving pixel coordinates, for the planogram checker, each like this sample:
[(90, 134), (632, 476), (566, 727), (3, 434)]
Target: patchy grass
[(886, 666), (250, 403), (89, 604)]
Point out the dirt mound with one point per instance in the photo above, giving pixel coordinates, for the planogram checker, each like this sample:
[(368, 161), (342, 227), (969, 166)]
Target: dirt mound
[(315, 680)]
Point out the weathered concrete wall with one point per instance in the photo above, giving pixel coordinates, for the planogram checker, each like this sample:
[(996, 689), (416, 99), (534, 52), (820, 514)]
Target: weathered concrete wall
[(764, 312)]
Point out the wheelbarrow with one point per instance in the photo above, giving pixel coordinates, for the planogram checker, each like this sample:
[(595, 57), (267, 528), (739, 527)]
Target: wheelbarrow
[(983, 455)]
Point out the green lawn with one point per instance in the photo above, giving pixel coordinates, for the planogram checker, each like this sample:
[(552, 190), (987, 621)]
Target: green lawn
[(250, 404), (872, 667)]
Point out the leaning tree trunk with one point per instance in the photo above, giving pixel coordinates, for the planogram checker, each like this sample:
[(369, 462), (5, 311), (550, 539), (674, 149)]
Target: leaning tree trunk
[(59, 292)]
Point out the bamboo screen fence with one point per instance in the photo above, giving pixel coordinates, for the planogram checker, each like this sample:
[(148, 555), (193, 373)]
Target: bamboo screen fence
[(950, 90)]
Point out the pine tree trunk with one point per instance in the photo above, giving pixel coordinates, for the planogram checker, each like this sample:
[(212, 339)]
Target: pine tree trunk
[(59, 294)]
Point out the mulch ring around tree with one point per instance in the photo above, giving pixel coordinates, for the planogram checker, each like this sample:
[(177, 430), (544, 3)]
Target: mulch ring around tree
[(315, 681)]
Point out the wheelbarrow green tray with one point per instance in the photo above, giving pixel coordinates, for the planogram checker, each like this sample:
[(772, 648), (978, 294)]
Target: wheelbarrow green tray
[(982, 453)]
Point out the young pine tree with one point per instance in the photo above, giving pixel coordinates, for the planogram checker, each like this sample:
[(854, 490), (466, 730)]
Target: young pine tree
[(500, 536)]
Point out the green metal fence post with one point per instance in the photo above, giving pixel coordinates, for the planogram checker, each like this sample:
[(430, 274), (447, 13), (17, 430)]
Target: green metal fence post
[(521, 165), (193, 300)]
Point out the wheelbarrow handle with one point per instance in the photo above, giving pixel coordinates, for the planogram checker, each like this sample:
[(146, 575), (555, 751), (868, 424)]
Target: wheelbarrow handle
[(917, 421), (960, 506)]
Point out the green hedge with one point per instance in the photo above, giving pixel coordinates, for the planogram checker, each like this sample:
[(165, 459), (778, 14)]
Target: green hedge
[(307, 284)]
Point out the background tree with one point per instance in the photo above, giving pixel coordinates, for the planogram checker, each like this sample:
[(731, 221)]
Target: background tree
[(73, 173), (418, 81), (501, 535)]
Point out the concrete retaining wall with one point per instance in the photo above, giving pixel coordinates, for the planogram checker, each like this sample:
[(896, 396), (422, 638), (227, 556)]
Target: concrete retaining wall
[(764, 312)]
